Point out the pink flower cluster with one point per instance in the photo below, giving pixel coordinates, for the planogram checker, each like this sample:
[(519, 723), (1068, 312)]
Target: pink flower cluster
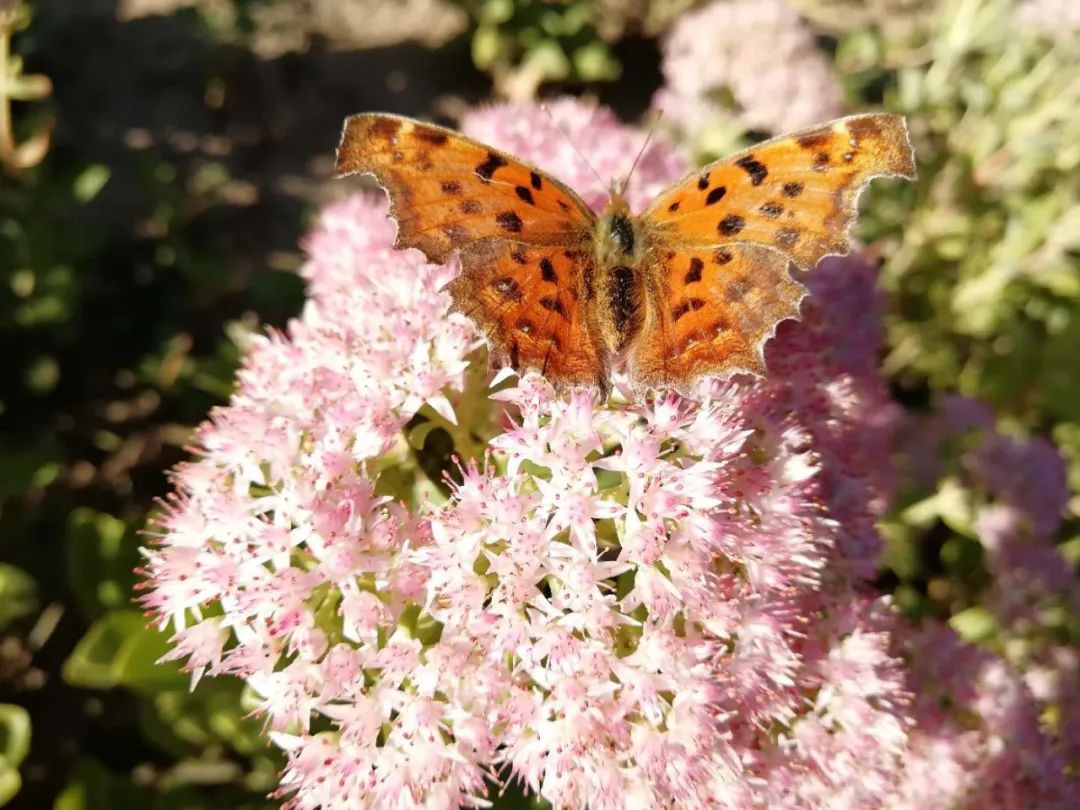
[(1017, 494), (758, 53), (614, 604)]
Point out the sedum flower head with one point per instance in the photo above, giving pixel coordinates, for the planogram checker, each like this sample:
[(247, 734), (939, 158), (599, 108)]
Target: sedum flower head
[(757, 53), (614, 604)]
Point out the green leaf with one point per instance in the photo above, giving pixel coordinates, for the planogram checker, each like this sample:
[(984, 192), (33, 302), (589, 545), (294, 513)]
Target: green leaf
[(14, 746), (418, 435), (513, 797), (1070, 550), (18, 594), (975, 624), (92, 787), (138, 665), (487, 46), (120, 650), (901, 553), (27, 470), (595, 62), (951, 504), (90, 182), (14, 733), (10, 782), (102, 552)]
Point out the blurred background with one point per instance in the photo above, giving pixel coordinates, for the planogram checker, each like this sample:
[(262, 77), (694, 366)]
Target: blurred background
[(161, 160)]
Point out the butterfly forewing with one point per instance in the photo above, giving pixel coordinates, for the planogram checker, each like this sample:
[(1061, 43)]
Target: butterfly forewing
[(448, 191), (524, 238), (797, 193)]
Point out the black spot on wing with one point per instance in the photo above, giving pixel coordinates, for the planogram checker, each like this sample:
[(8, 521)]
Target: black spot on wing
[(553, 305), (509, 221), (524, 194), (486, 169), (387, 127), (694, 273), (815, 140), (687, 306), (715, 195), (792, 190), (547, 271), (431, 136), (451, 187), (864, 128), (703, 182), (731, 225), (535, 181), (755, 168), (772, 209)]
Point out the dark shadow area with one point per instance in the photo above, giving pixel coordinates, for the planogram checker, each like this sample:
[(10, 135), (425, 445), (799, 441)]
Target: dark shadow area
[(216, 160)]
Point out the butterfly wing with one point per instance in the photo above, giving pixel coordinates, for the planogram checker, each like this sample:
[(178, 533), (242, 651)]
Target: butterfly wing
[(710, 313), (527, 300), (523, 236), (791, 199), (797, 193), (447, 190)]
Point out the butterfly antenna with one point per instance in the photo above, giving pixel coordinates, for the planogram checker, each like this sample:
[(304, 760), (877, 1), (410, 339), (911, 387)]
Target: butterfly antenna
[(573, 145), (645, 145)]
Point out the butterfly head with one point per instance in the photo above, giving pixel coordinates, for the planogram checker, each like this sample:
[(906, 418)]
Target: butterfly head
[(617, 189)]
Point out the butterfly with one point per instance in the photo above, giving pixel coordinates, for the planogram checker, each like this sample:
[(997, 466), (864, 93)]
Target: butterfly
[(692, 287)]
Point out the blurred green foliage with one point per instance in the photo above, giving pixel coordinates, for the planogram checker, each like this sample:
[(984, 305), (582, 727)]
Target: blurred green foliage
[(986, 279), (983, 274), (526, 43), (122, 325), (104, 310)]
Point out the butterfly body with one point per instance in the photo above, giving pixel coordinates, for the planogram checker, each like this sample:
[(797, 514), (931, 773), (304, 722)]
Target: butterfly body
[(692, 287), (617, 293)]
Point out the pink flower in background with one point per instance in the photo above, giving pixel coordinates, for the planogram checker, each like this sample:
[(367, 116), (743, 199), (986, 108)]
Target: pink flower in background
[(761, 54), (613, 604), (548, 140), (1015, 495), (1055, 18), (977, 741)]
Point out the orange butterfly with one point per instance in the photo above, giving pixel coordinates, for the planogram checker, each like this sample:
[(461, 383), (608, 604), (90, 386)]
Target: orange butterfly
[(692, 287)]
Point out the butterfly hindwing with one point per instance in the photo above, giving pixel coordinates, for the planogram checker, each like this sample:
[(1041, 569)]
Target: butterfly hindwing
[(447, 191), (797, 193), (528, 302), (709, 312)]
